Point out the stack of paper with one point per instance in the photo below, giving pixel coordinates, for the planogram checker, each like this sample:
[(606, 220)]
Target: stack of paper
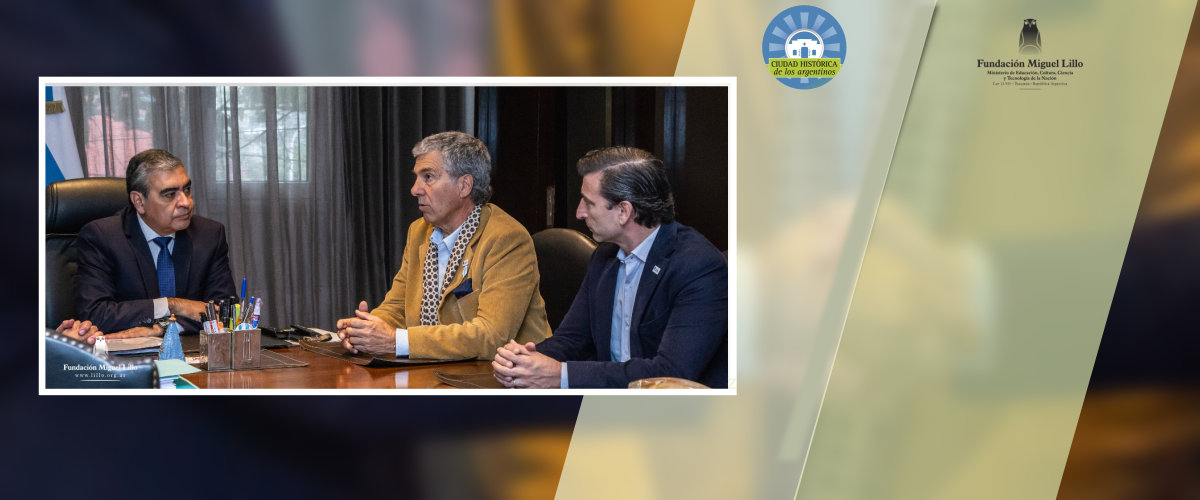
[(169, 372)]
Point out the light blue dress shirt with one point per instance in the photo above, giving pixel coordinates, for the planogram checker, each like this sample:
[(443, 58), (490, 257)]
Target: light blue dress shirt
[(444, 246), (629, 275), (160, 304)]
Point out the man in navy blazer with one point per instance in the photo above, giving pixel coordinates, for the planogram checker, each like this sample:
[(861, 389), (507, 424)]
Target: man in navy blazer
[(118, 285), (655, 299)]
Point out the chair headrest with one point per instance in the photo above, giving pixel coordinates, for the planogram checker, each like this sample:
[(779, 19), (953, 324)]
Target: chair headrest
[(73, 203)]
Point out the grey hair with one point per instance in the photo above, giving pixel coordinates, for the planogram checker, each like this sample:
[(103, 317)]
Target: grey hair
[(143, 164), (462, 154), (633, 175)]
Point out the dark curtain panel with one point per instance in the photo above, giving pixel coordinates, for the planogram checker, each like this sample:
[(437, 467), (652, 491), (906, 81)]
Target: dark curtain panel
[(382, 125)]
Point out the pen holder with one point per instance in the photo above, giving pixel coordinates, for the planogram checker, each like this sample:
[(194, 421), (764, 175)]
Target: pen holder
[(216, 349), (247, 349)]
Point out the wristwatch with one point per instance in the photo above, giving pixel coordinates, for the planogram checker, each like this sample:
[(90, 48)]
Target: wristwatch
[(161, 323)]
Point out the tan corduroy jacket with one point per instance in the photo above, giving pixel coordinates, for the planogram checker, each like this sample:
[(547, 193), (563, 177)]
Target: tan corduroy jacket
[(503, 300)]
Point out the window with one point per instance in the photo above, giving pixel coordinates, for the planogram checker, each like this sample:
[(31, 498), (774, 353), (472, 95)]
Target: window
[(117, 125), (243, 112)]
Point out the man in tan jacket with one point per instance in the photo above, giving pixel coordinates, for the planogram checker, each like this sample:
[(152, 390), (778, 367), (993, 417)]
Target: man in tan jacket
[(469, 279)]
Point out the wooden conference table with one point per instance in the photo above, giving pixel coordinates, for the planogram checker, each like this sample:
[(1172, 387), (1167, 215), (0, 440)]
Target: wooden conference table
[(324, 372)]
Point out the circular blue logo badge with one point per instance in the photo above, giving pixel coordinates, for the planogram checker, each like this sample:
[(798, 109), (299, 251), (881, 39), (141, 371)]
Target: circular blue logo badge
[(804, 47)]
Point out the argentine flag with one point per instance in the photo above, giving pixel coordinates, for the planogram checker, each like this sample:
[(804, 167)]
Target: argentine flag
[(62, 156)]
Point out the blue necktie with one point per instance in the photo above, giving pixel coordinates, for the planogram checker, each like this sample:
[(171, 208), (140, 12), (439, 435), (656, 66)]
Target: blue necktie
[(166, 268)]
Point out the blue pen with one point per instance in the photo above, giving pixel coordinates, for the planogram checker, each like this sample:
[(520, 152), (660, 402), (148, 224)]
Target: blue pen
[(242, 298)]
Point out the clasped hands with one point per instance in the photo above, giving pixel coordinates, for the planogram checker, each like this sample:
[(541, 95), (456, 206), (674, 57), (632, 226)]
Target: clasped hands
[(519, 365), (515, 365), (367, 333), (83, 331)]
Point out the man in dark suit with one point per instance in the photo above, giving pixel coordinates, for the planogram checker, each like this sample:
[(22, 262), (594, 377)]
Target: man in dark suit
[(655, 299), (155, 257)]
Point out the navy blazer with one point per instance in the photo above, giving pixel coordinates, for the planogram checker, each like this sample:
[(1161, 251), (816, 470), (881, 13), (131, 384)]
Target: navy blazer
[(680, 324), (117, 281)]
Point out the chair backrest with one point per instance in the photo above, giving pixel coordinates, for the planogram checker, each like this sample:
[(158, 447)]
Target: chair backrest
[(70, 205), (562, 261)]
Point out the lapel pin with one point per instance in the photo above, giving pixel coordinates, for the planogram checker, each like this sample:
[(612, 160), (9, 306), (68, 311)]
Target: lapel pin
[(465, 264), (656, 270)]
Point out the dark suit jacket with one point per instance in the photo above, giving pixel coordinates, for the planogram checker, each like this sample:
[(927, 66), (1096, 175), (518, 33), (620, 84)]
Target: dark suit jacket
[(117, 281), (680, 324)]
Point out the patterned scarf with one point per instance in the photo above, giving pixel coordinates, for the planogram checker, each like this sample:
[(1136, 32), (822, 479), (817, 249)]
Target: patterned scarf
[(432, 294)]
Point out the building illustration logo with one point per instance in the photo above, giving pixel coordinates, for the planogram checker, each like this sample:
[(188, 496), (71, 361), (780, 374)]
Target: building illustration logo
[(1031, 38), (804, 47), (804, 44)]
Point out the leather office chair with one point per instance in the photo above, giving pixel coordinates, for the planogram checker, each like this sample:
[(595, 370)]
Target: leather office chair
[(71, 364), (562, 261), (70, 205)]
